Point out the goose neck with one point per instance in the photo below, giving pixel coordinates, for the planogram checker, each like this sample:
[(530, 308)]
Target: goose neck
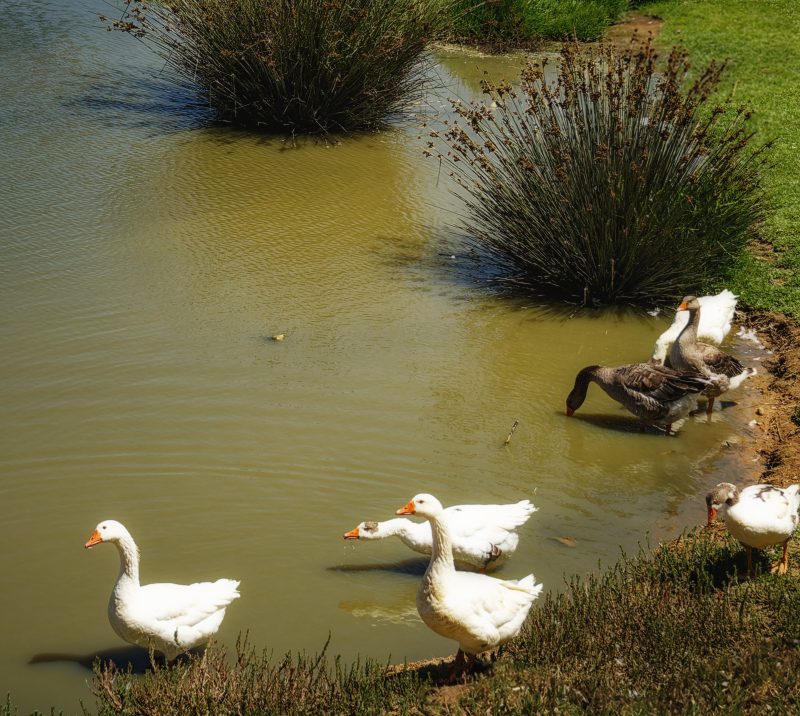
[(128, 560), (442, 547), (689, 332)]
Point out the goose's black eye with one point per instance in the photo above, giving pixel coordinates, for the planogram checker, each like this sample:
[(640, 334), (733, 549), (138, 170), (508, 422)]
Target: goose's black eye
[(105, 527)]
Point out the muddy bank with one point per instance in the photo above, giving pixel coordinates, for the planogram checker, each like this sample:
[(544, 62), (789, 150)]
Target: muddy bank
[(777, 442)]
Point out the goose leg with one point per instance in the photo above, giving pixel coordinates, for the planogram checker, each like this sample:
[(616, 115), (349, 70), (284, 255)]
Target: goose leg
[(783, 566), (710, 405), (459, 666), (750, 572), (668, 431)]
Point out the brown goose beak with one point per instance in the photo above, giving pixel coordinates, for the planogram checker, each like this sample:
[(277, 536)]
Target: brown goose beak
[(407, 510), (352, 534), (570, 412), (95, 539)]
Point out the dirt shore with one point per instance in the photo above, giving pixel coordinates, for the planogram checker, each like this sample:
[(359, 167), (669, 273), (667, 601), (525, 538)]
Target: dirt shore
[(779, 442)]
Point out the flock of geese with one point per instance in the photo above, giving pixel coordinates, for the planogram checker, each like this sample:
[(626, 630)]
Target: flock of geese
[(478, 611), (664, 390)]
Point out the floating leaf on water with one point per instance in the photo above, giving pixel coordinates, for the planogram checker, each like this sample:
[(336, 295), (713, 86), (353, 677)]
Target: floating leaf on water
[(278, 336), (567, 541)]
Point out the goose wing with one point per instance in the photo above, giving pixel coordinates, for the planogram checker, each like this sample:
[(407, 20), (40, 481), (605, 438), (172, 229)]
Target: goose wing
[(655, 384), (720, 362), (472, 520), (186, 604)]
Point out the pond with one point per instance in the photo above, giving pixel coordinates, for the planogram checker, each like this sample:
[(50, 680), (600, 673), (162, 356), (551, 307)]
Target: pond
[(147, 259)]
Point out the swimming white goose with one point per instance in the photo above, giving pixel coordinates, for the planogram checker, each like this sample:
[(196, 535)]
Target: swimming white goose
[(478, 611), (483, 536), (715, 323), (758, 516), (688, 354), (653, 393), (169, 618)]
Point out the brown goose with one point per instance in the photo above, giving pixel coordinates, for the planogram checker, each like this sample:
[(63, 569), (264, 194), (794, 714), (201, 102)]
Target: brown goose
[(653, 393), (688, 354)]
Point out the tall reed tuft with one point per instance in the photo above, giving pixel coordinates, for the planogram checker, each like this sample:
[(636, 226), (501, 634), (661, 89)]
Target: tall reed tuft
[(306, 66), (617, 181)]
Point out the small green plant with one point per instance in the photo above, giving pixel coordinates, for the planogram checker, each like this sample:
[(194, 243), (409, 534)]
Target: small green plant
[(617, 182), (308, 66)]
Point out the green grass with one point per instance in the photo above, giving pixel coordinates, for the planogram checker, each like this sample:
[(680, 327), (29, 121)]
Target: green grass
[(670, 632), (531, 20), (761, 41)]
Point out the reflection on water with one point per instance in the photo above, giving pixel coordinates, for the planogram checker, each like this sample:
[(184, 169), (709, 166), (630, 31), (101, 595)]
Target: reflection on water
[(144, 263)]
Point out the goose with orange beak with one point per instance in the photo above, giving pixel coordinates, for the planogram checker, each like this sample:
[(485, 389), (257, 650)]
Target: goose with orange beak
[(723, 371), (477, 611), (484, 536), (758, 516), (168, 618)]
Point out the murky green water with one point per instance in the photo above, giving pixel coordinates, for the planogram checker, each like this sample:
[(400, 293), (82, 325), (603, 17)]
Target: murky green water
[(146, 260)]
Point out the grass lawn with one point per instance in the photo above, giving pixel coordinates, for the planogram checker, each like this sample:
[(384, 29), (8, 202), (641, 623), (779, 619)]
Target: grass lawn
[(760, 39)]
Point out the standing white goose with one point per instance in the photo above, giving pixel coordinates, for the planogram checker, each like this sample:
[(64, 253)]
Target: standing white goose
[(477, 611), (484, 536), (169, 618), (758, 516), (715, 323)]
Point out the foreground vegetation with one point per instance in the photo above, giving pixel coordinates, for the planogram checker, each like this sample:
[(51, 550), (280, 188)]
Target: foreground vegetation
[(672, 632), (761, 41), (618, 183)]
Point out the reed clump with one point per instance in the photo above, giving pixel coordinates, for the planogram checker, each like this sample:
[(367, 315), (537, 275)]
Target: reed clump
[(305, 66), (616, 181)]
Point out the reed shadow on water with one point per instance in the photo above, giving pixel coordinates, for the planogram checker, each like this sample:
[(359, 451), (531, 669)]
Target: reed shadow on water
[(131, 101)]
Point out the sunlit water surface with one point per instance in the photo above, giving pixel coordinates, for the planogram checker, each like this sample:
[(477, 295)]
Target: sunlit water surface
[(146, 261)]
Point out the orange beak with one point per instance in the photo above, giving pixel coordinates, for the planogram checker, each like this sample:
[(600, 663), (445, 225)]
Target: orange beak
[(352, 534), (712, 515), (682, 307), (94, 540), (407, 510)]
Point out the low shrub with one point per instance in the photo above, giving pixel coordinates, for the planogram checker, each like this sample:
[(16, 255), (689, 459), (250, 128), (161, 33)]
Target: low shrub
[(309, 66), (617, 182)]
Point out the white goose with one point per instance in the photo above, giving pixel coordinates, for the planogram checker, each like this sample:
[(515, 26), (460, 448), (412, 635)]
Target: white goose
[(478, 611), (484, 536), (169, 618), (715, 323), (758, 516)]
